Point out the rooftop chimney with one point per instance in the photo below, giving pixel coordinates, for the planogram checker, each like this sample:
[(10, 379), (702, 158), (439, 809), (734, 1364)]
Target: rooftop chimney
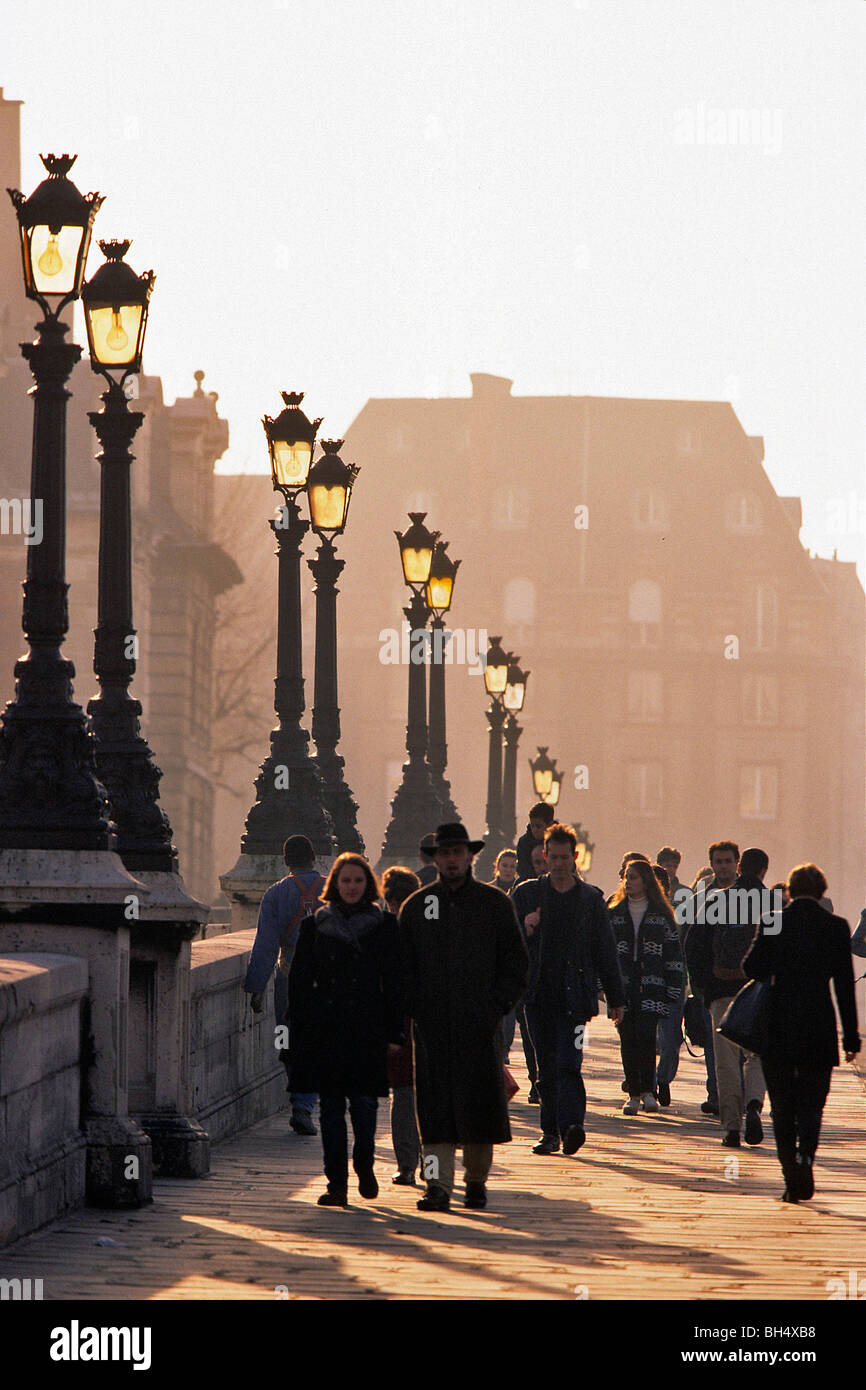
[(486, 387)]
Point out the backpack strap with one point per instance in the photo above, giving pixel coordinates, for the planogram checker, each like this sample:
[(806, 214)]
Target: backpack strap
[(309, 896)]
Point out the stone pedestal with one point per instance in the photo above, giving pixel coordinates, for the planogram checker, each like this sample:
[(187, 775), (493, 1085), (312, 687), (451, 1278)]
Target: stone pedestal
[(160, 1097), (247, 882), (74, 902)]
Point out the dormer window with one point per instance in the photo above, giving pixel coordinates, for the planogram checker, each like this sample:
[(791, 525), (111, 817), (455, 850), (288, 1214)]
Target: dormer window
[(743, 514)]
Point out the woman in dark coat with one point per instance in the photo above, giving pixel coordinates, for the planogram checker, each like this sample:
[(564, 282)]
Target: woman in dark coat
[(812, 947), (344, 1010), (651, 963)]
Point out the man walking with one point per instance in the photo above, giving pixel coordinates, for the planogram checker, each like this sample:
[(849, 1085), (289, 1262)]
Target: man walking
[(571, 946), (716, 946), (282, 909), (670, 1029), (465, 967)]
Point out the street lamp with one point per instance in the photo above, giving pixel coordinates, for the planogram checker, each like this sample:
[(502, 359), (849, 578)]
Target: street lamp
[(115, 303), (495, 680), (50, 797), (289, 789), (416, 808), (329, 491), (584, 849), (439, 591), (512, 698), (546, 780)]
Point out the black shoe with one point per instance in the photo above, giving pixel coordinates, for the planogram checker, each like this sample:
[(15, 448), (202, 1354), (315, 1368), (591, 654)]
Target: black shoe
[(664, 1094), (405, 1177), (788, 1196), (476, 1195), (732, 1139), (754, 1131), (367, 1184), (334, 1197), (435, 1199), (575, 1138), (709, 1107), (302, 1123), (547, 1144), (805, 1179), (533, 1098)]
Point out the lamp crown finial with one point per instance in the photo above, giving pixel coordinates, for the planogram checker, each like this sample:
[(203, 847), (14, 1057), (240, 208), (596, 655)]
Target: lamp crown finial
[(332, 446), (114, 250), (417, 517), (292, 398), (58, 165)]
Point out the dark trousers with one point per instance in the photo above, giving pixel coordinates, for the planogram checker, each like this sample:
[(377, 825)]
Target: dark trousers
[(560, 1084), (332, 1118), (637, 1042), (518, 1015), (797, 1096)]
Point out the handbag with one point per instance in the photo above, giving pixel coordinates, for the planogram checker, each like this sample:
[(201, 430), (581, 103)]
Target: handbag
[(511, 1086), (746, 1019), (694, 1023)]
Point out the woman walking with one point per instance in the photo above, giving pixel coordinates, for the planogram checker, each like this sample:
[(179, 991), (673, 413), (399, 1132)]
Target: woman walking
[(650, 959), (812, 948), (344, 1009)]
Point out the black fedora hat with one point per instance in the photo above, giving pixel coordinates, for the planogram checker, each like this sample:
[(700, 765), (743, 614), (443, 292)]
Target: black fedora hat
[(453, 833)]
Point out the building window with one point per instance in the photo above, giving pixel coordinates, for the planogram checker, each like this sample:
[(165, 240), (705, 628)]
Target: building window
[(645, 613), (688, 442), (511, 508), (743, 515), (759, 792), (518, 607), (644, 789), (652, 510), (645, 696), (766, 618), (760, 699)]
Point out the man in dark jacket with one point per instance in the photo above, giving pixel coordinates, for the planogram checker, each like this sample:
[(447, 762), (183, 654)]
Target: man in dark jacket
[(540, 817), (727, 921), (465, 967), (571, 946)]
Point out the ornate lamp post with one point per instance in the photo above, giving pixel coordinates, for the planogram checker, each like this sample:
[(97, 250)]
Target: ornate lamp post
[(116, 304), (584, 849), (289, 790), (50, 797), (329, 489), (546, 780), (416, 809), (512, 698), (439, 591), (495, 681)]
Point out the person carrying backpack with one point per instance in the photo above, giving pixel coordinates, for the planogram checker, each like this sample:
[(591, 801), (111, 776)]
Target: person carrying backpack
[(283, 908)]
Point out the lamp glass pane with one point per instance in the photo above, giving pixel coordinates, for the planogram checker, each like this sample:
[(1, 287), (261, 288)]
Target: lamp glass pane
[(514, 695), (291, 462), (439, 593), (543, 779), (328, 507), (584, 859), (495, 679), (53, 258), (114, 333), (416, 565), (553, 795)]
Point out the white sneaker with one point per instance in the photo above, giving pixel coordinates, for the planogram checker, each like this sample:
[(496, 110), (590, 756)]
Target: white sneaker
[(631, 1106), (649, 1102)]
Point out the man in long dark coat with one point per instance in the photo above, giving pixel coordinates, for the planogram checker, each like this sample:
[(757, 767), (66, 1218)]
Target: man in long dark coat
[(465, 967)]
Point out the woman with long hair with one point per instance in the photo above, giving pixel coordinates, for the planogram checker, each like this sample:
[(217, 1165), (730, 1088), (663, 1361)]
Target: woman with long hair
[(344, 1010), (811, 948), (651, 962)]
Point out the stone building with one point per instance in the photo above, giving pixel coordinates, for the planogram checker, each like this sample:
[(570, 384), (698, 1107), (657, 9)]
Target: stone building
[(179, 569)]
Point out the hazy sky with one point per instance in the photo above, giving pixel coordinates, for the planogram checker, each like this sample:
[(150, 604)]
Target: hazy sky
[(375, 197)]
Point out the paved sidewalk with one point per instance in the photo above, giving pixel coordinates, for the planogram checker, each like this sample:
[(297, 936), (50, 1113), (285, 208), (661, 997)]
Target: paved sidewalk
[(651, 1207)]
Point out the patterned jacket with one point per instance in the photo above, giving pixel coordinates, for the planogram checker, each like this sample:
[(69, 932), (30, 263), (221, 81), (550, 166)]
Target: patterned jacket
[(654, 962)]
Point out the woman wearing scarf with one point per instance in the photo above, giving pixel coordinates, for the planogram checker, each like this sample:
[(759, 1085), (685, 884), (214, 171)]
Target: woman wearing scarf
[(344, 1010)]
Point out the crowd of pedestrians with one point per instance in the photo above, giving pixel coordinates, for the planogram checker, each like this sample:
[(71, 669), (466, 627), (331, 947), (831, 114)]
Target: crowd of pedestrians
[(415, 987)]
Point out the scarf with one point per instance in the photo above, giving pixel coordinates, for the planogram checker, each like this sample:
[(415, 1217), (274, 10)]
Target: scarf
[(348, 924)]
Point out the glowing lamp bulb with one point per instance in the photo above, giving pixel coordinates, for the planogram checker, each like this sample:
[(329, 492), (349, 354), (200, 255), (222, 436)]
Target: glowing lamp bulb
[(117, 338), (51, 261)]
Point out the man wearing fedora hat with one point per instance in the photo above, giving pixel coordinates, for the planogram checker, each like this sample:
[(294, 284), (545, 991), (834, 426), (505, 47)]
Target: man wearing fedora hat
[(465, 967)]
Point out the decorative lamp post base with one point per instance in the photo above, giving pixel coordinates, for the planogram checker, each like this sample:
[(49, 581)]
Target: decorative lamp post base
[(415, 812)]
